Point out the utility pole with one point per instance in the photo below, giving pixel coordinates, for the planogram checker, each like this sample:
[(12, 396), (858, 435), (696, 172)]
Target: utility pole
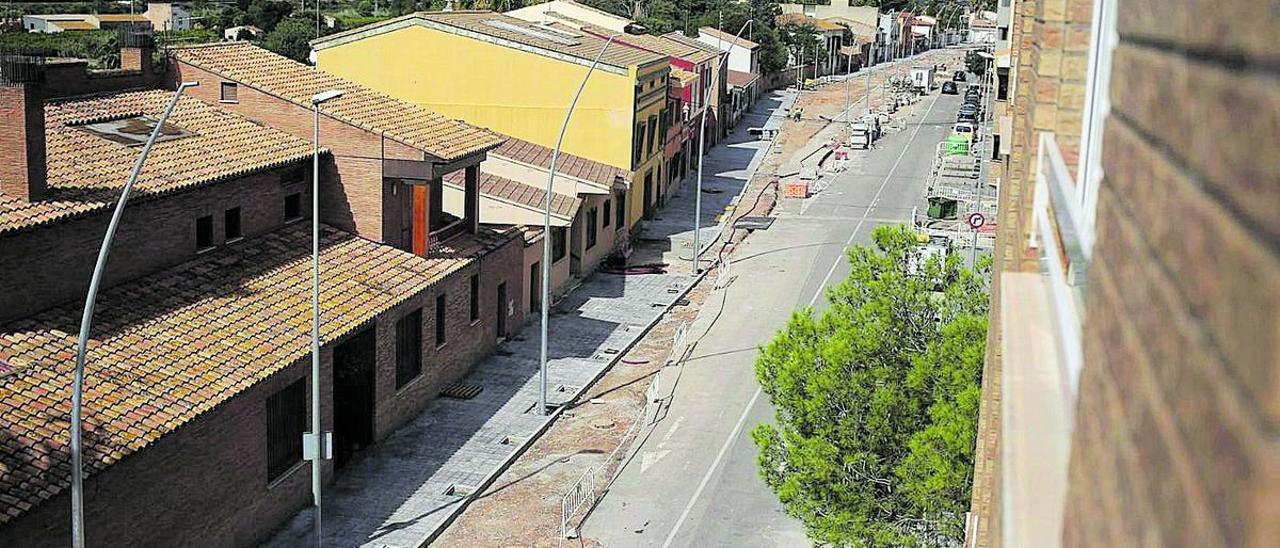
[(848, 84), (871, 55)]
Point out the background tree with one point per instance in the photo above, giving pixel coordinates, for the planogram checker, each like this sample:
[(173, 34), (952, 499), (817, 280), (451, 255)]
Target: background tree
[(266, 14), (292, 38), (877, 399), (802, 41)]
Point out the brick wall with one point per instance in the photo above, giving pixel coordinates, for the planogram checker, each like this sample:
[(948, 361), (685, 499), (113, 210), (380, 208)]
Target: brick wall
[(1175, 440), (207, 484), (354, 201), (72, 77), (465, 342), (1049, 46), (22, 165), (52, 264), (204, 485), (1007, 254)]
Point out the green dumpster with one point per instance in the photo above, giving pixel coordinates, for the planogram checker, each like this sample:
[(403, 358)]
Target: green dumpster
[(957, 144)]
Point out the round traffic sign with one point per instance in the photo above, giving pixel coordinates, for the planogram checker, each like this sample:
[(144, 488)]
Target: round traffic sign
[(976, 220)]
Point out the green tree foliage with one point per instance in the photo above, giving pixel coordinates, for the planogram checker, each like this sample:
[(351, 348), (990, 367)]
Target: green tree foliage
[(803, 41), (877, 399), (975, 63), (292, 38), (100, 47), (266, 14)]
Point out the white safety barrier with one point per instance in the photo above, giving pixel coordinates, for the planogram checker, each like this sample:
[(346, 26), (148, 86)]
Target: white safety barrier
[(679, 344), (723, 273), (581, 494)]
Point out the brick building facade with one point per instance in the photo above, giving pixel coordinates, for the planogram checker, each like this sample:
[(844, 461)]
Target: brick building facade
[(1136, 217), (196, 377)]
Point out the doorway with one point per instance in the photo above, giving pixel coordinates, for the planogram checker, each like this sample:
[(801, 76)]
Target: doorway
[(502, 311), (354, 362)]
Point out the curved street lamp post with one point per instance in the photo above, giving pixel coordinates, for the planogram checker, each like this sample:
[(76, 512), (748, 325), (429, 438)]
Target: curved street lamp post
[(86, 320), (632, 28)]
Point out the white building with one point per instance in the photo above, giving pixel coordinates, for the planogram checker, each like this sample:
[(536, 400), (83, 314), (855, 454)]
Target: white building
[(58, 23), (234, 33), (982, 30), (888, 45), (744, 69), (77, 21), (743, 54), (166, 16), (570, 13)]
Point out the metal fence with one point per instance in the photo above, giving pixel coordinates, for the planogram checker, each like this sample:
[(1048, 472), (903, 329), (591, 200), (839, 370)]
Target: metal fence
[(583, 494)]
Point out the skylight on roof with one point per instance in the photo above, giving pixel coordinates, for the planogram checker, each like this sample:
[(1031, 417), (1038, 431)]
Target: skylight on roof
[(562, 32), (134, 130), (531, 32)]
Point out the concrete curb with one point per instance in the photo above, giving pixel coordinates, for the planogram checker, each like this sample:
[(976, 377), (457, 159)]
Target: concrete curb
[(506, 464)]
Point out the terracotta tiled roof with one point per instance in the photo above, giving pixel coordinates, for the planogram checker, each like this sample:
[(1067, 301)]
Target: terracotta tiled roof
[(661, 45), (693, 43), (820, 24), (741, 79), (727, 38), (74, 25), (519, 193), (173, 345), (87, 171), (568, 164), (502, 27), (427, 131), (121, 18)]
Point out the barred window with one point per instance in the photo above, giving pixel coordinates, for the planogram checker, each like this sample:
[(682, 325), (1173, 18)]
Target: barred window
[(286, 422), (408, 347)]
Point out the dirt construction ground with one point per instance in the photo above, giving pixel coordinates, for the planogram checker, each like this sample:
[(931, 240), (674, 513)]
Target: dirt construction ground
[(522, 507)]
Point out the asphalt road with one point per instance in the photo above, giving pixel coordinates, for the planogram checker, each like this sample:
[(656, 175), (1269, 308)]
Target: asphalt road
[(693, 480)]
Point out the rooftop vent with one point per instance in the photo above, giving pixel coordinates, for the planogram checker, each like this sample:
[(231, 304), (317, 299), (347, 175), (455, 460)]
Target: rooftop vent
[(532, 33)]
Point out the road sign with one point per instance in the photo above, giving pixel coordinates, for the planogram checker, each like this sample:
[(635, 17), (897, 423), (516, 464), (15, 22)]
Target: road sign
[(976, 220)]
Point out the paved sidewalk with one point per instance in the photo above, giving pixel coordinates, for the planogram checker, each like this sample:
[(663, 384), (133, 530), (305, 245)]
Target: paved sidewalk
[(727, 168), (409, 485), (403, 490)]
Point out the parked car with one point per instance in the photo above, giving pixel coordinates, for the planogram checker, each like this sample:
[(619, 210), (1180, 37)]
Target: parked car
[(949, 88), (963, 127), (968, 109), (967, 117), (959, 76)]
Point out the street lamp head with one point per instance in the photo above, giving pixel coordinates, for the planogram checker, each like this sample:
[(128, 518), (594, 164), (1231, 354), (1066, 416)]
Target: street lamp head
[(190, 84), (985, 55), (326, 96)]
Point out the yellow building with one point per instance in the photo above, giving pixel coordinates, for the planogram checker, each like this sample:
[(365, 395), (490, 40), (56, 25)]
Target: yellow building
[(518, 78)]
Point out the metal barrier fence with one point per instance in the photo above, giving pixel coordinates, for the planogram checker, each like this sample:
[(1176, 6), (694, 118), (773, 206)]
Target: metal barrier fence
[(579, 495), (724, 274), (591, 485)]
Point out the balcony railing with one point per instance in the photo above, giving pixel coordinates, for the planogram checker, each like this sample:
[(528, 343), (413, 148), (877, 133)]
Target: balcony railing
[(1063, 234)]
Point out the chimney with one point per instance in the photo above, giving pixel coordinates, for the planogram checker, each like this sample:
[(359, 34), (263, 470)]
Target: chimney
[(137, 45), (22, 166)]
